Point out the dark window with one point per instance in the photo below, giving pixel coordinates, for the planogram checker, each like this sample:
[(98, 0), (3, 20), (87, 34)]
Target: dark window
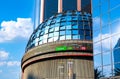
[(51, 8), (69, 5), (86, 5)]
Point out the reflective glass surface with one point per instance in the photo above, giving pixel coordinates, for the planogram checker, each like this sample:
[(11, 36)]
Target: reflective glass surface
[(50, 8), (68, 3), (106, 35), (62, 26)]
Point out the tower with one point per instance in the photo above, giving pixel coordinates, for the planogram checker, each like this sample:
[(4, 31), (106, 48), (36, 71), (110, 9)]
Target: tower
[(61, 46)]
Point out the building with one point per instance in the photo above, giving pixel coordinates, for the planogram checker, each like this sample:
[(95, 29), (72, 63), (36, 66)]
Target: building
[(116, 54), (106, 25), (61, 47)]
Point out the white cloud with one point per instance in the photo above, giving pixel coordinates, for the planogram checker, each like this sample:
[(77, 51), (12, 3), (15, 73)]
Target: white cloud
[(9, 63), (2, 63), (13, 63), (11, 29), (3, 55)]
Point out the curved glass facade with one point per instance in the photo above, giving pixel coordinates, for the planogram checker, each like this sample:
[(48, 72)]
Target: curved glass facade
[(70, 25)]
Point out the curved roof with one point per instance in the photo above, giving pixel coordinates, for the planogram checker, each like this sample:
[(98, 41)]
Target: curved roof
[(70, 25)]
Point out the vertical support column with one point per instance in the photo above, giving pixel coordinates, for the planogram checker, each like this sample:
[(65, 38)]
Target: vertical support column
[(59, 6), (79, 5), (42, 11)]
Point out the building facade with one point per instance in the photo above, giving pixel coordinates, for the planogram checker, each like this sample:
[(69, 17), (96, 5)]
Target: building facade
[(116, 54), (61, 46), (106, 25)]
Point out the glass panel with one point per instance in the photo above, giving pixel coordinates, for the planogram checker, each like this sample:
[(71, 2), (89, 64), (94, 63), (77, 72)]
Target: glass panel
[(55, 38), (117, 65), (104, 7), (105, 19), (81, 32), (87, 27), (106, 29), (106, 44), (40, 42), (68, 23), (96, 35), (36, 41), (44, 40), (46, 31), (115, 41), (51, 26), (75, 36), (114, 3), (63, 19), (75, 32), (115, 13), (75, 26), (97, 60), (50, 34), (95, 3), (49, 10), (82, 37), (68, 36), (50, 39), (56, 34), (62, 37), (45, 36), (41, 37), (96, 12), (96, 23), (97, 47), (62, 27), (75, 18), (68, 32), (62, 32), (115, 26), (56, 28), (69, 18), (37, 34), (51, 30), (87, 32), (116, 55), (107, 58), (87, 37), (72, 3), (68, 27), (57, 24), (107, 71), (57, 20)]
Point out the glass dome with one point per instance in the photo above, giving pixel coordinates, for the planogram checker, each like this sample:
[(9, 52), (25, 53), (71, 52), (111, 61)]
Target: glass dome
[(70, 25)]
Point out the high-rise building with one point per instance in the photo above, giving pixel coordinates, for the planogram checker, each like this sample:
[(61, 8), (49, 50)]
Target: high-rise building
[(61, 46), (106, 32), (116, 54)]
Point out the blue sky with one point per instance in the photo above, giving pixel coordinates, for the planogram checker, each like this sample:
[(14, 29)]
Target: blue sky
[(16, 25)]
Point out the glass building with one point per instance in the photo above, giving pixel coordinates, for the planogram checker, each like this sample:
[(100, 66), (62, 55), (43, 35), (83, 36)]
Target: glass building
[(72, 25), (106, 33), (61, 47), (49, 7), (116, 54)]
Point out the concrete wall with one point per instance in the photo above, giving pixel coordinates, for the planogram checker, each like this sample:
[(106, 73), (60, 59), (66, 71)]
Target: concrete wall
[(38, 64), (60, 69)]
